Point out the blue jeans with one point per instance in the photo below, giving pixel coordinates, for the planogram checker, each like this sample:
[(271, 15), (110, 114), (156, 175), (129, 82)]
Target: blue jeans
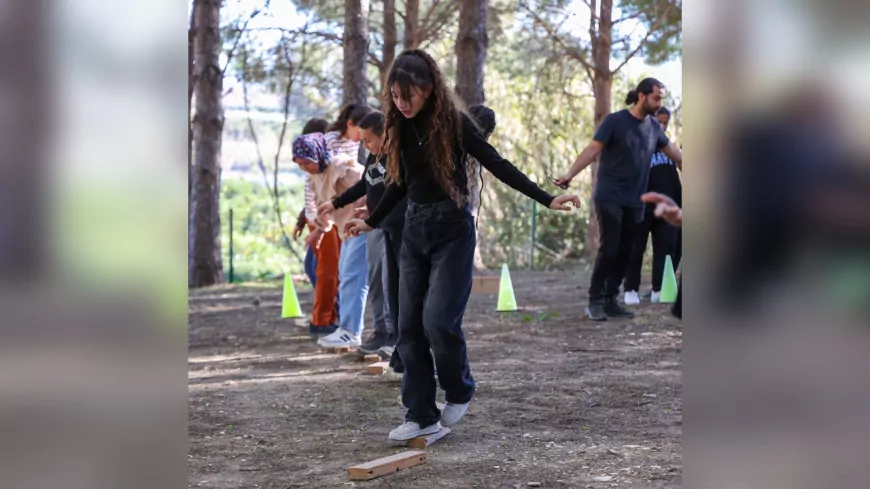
[(434, 285), (311, 265), (353, 287)]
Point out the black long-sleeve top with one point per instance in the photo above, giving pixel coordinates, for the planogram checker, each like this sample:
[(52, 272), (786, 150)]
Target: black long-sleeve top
[(418, 181), (372, 185)]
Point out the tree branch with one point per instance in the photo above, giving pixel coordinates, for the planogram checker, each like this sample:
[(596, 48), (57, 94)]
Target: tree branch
[(328, 36), (425, 21), (570, 50), (252, 131), (628, 17), (291, 75), (431, 31), (242, 31), (653, 28)]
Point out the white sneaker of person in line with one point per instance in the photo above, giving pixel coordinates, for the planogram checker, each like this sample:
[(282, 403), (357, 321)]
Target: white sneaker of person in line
[(655, 297), (453, 413), (345, 338), (331, 336), (410, 430), (631, 298)]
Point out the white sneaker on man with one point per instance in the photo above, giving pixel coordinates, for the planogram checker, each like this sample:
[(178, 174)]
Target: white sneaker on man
[(410, 430), (631, 298), (655, 297), (452, 413), (344, 338)]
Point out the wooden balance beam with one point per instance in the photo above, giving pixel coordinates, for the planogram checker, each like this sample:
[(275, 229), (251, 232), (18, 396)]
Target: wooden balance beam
[(386, 465), (371, 359)]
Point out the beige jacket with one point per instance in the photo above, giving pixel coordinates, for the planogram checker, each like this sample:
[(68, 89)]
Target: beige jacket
[(341, 174)]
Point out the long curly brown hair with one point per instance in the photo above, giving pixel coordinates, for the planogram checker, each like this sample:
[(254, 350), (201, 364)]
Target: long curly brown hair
[(415, 68)]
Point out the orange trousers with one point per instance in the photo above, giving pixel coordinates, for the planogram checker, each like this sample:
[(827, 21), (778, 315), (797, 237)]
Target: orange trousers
[(326, 289)]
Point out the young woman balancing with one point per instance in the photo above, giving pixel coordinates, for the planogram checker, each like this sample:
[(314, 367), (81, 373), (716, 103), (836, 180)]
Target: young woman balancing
[(427, 140)]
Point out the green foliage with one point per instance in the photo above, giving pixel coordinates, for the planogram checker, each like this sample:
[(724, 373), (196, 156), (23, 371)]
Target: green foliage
[(260, 251), (542, 98), (664, 19)]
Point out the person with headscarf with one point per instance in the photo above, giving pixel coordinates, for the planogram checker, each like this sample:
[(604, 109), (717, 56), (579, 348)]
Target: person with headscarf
[(341, 259)]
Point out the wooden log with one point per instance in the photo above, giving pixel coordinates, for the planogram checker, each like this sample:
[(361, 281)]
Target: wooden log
[(485, 284), (422, 442), (338, 349), (371, 359), (379, 368), (386, 465)]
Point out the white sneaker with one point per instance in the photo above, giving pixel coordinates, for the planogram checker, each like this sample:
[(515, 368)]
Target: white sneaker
[(655, 297), (330, 337), (452, 413), (345, 338), (631, 298), (410, 430)]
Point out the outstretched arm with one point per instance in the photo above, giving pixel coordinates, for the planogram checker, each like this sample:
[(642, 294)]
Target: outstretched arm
[(500, 167), (674, 153), (392, 195), (665, 209), (587, 156), (351, 195)]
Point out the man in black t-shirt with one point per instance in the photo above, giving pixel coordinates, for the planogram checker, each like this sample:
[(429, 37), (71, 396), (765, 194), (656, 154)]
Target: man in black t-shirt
[(626, 140)]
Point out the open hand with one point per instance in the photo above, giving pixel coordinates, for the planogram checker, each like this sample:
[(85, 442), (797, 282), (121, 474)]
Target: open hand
[(355, 227), (561, 202), (361, 213), (325, 209), (666, 208)]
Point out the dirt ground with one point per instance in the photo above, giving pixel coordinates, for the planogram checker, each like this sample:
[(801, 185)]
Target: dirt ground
[(561, 401)]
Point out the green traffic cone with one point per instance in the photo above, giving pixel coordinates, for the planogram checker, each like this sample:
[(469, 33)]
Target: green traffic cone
[(290, 303), (669, 283), (506, 300)]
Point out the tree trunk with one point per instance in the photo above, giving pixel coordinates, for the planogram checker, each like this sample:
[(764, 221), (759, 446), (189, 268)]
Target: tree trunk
[(471, 44), (470, 48), (601, 85), (191, 30), (204, 259), (390, 40), (356, 48), (412, 23), (28, 102)]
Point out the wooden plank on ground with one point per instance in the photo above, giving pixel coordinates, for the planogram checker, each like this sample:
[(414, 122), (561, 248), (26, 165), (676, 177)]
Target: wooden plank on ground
[(379, 368), (339, 349), (372, 358), (386, 465), (485, 284), (422, 442)]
